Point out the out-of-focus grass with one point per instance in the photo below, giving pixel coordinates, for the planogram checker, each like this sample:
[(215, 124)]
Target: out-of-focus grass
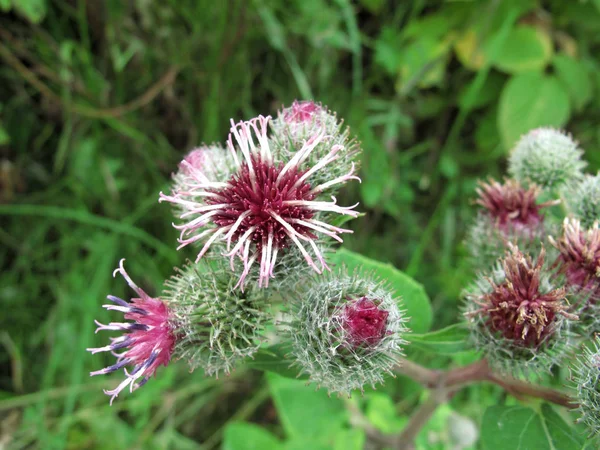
[(100, 100)]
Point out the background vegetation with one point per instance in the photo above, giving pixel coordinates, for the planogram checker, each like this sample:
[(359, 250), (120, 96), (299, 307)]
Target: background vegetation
[(99, 100)]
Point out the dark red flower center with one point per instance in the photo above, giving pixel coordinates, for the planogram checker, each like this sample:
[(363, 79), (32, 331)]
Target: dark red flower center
[(365, 322), (262, 200)]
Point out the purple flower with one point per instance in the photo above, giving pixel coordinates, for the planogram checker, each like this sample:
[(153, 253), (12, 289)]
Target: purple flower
[(364, 322), (265, 207), (300, 112), (579, 257), (511, 206), (519, 308), (148, 339)]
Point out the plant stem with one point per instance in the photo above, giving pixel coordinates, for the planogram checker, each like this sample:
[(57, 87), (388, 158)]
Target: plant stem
[(480, 372)]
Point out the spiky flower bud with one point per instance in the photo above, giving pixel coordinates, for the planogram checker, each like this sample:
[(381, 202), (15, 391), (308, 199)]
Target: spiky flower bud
[(510, 214), (584, 200), (517, 317), (579, 261), (547, 157), (586, 376), (346, 331), (266, 206), (298, 123), (148, 338), (207, 163), (218, 326), (211, 162)]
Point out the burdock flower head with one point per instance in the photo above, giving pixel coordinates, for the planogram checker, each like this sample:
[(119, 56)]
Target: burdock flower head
[(298, 123), (584, 200), (218, 325), (512, 207), (579, 257), (266, 206), (517, 317), (148, 338), (586, 376), (207, 162), (346, 331), (547, 157), (511, 213)]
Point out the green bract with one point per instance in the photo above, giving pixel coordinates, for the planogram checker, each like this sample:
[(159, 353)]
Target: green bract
[(546, 157), (217, 325), (323, 344)]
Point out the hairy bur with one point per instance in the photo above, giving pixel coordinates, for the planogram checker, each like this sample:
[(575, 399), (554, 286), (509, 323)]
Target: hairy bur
[(346, 331), (517, 316)]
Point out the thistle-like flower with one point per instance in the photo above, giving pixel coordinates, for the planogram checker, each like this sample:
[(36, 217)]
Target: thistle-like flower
[(265, 207), (579, 257), (547, 157), (149, 338), (584, 200), (346, 331), (207, 162), (512, 207), (586, 376), (510, 214), (517, 317), (298, 123), (218, 326)]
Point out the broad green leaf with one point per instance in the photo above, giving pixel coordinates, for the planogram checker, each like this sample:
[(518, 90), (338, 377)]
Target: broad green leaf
[(304, 411), (447, 341), (273, 359), (522, 428), (350, 440), (414, 299), (382, 413), (528, 101), (524, 49), (469, 50), (423, 63), (247, 436), (575, 80)]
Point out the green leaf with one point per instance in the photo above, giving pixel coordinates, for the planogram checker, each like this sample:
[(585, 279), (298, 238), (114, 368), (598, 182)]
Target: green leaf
[(575, 79), (273, 359), (382, 413), (350, 440), (414, 299), (32, 10), (303, 411), (246, 436), (525, 49), (528, 101), (447, 341), (522, 428)]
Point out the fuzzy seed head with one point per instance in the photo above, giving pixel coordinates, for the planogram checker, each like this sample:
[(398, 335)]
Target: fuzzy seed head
[(516, 313), (265, 207), (547, 157), (219, 325), (346, 331), (586, 376), (584, 200), (148, 340)]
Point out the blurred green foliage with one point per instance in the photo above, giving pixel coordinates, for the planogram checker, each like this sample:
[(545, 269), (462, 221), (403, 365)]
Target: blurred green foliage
[(100, 100)]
